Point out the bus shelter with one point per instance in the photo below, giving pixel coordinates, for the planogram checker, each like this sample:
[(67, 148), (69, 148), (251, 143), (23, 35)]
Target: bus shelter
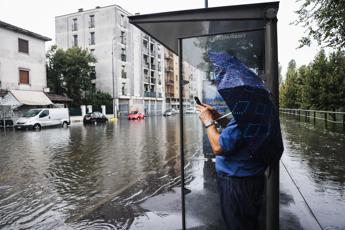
[(247, 32)]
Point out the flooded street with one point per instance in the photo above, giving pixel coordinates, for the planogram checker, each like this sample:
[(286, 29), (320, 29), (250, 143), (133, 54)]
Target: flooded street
[(66, 178)]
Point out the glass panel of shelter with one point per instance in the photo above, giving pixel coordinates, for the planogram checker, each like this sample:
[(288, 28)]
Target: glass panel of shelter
[(202, 204)]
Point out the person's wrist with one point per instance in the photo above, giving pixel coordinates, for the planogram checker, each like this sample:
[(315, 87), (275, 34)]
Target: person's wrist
[(209, 123)]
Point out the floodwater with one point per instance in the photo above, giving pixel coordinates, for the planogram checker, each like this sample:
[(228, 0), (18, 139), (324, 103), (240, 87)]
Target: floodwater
[(110, 176)]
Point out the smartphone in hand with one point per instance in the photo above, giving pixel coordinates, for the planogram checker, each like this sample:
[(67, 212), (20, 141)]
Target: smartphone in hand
[(197, 101)]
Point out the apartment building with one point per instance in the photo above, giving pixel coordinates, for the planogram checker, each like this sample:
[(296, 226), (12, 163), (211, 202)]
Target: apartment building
[(22, 59), (23, 77), (120, 69), (192, 80)]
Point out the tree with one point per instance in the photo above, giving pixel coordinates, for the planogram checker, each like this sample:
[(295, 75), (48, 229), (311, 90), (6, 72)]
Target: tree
[(320, 85), (70, 72), (324, 21), (290, 90), (55, 65), (98, 98)]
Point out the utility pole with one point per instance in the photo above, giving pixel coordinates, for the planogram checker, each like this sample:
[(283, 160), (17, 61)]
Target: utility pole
[(113, 77), (206, 3)]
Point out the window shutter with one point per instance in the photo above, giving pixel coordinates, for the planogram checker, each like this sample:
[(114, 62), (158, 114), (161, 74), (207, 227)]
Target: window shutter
[(24, 77), (23, 45)]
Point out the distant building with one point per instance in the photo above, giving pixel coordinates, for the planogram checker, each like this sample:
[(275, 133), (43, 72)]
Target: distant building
[(192, 78), (129, 63), (22, 68)]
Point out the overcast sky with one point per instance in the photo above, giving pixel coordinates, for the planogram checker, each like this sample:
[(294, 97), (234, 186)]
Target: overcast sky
[(38, 16)]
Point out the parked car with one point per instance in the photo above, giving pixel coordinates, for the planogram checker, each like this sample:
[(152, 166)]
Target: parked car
[(168, 113), (43, 117), (135, 116), (94, 118)]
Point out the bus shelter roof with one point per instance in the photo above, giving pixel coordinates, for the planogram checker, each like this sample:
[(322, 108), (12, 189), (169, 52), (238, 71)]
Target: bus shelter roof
[(168, 27)]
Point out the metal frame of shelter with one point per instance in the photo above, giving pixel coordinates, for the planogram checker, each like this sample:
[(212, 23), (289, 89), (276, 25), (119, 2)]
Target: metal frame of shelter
[(171, 28)]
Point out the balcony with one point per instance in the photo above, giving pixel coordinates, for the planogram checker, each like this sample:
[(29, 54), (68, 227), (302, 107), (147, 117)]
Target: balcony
[(169, 95), (168, 55), (169, 83), (146, 37), (146, 65), (169, 69), (149, 94)]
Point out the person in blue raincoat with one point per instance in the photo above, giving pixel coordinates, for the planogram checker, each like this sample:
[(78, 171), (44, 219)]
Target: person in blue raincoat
[(247, 144)]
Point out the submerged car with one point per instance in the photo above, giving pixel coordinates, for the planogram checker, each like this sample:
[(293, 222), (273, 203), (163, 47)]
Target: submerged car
[(94, 118), (43, 117), (167, 113), (135, 116)]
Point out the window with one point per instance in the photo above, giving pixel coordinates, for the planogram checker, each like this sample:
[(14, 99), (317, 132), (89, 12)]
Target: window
[(123, 37), (92, 38), (75, 40), (122, 20), (75, 25), (44, 113), (92, 21), (123, 72), (23, 46), (123, 54), (92, 51), (123, 89), (24, 77)]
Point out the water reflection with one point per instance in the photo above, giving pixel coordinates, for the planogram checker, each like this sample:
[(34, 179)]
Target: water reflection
[(126, 175), (315, 158)]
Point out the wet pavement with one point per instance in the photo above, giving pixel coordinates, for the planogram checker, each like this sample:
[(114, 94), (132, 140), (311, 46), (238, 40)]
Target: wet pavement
[(126, 176)]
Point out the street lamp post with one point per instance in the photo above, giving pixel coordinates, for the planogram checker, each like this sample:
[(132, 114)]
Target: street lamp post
[(113, 76)]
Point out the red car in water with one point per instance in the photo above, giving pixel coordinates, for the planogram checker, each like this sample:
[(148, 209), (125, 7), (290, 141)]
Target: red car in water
[(135, 116)]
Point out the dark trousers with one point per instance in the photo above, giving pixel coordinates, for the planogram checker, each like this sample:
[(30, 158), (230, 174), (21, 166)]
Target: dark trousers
[(241, 201)]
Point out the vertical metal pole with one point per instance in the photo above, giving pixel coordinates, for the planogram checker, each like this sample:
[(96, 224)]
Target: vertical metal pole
[(271, 72), (113, 77), (180, 63), (206, 3), (314, 117), (343, 122)]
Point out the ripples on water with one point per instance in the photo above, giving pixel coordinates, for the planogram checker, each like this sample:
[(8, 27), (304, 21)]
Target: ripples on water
[(58, 178), (49, 179), (316, 159)]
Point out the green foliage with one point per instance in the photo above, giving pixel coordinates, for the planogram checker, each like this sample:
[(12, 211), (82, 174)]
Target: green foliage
[(98, 98), (69, 72), (324, 22), (320, 85)]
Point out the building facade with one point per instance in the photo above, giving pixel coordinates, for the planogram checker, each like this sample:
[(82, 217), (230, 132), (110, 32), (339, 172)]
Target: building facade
[(128, 63), (22, 59), (192, 80)]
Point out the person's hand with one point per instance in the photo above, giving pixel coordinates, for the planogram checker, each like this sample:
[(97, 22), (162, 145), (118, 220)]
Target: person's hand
[(207, 113)]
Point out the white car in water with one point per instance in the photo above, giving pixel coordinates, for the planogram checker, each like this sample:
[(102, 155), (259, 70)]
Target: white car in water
[(43, 117)]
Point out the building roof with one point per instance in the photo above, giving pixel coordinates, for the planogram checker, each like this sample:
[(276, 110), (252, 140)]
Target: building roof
[(81, 10), (31, 97), (58, 98), (23, 31)]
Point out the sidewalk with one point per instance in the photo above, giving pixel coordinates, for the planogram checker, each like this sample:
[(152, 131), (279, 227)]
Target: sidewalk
[(138, 207)]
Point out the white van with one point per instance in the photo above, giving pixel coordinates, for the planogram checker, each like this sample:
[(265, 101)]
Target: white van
[(43, 117)]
